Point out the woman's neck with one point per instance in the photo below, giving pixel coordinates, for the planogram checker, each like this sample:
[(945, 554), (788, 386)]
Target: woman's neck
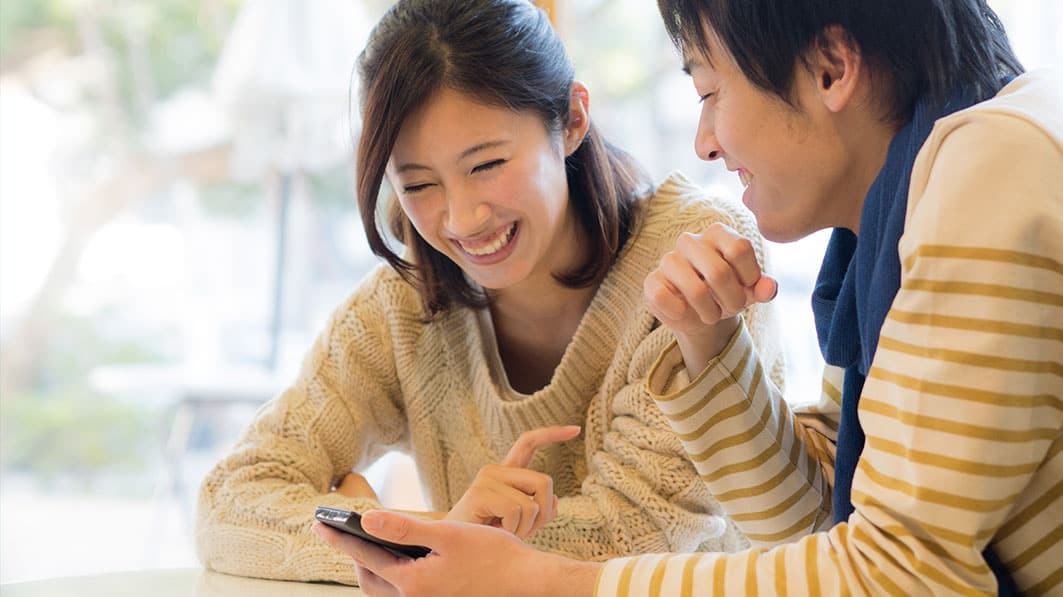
[(536, 319), (551, 304), (532, 332)]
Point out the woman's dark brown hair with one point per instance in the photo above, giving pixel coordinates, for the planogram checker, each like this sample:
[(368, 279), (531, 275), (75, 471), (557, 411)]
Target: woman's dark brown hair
[(504, 53)]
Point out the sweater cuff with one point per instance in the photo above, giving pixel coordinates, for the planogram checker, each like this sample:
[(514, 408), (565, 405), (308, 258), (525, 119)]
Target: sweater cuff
[(333, 565)]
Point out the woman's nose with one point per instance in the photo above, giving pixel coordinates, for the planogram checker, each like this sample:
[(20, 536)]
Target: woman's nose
[(467, 216)]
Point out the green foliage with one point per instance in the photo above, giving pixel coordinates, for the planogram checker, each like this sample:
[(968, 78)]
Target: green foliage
[(72, 431), (90, 341), (617, 54), (62, 428), (157, 47), (333, 188), (22, 20), (231, 199), (176, 42)]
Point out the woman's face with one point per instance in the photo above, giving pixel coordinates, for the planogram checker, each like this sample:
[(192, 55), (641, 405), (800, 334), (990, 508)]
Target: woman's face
[(792, 162), (486, 187)]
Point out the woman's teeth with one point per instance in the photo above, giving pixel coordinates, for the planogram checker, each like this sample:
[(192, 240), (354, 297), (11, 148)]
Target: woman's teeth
[(745, 177), (495, 246)]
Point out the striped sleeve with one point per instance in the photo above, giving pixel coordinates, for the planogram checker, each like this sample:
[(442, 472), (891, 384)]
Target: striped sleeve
[(963, 406), (770, 467)]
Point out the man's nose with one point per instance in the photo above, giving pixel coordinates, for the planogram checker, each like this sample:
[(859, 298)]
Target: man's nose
[(706, 145)]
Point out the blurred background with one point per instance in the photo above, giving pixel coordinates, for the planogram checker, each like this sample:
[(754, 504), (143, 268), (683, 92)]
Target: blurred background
[(177, 221)]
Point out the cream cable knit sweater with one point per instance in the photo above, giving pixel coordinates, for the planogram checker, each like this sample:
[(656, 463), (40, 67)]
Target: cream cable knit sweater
[(379, 379)]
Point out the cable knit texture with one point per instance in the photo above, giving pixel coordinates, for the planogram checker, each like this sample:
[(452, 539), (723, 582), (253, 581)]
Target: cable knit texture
[(379, 379)]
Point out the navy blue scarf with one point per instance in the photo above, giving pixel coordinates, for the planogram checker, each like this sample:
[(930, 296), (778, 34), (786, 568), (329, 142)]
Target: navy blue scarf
[(854, 291)]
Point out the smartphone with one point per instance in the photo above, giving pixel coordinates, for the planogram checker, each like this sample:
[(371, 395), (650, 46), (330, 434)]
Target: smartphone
[(351, 523)]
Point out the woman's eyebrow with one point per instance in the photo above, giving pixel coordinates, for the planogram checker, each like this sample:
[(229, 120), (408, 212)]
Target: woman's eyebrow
[(468, 152), (480, 147)]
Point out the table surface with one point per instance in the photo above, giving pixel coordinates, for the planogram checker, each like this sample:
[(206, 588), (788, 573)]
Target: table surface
[(182, 582)]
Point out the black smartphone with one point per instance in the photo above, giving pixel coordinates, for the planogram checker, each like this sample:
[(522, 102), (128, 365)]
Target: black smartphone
[(351, 523)]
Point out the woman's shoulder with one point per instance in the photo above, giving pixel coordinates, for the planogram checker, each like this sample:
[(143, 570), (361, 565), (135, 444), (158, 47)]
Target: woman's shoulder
[(381, 295), (676, 206), (679, 205)]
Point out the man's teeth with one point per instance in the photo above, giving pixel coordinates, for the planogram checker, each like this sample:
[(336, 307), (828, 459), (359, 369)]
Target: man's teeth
[(745, 177), (502, 240)]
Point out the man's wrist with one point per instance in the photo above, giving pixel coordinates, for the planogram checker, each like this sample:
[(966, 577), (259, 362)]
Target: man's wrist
[(699, 349), (558, 575)]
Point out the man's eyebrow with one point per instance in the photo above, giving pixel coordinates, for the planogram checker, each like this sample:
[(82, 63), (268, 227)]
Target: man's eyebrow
[(692, 62), (468, 152)]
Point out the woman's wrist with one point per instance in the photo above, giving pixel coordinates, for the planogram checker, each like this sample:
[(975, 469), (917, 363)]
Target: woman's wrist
[(701, 348)]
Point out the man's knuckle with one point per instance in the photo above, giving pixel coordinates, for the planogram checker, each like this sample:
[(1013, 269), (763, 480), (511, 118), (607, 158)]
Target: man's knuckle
[(687, 240), (402, 527), (698, 293), (672, 260), (717, 272)]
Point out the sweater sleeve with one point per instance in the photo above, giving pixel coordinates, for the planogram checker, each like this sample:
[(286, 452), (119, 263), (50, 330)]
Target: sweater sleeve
[(963, 406), (257, 505)]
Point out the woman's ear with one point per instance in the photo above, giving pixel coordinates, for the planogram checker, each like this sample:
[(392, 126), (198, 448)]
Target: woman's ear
[(579, 117), (837, 65)]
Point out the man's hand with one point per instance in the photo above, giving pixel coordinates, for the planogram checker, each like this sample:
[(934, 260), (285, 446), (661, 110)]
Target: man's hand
[(467, 559), (700, 287)]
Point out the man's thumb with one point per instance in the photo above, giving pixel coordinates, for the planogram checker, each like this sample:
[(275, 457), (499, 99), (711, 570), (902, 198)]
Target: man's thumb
[(400, 528), (765, 290)]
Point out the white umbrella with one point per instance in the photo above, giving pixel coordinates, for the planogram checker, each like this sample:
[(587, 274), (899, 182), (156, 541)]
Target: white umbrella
[(283, 79)]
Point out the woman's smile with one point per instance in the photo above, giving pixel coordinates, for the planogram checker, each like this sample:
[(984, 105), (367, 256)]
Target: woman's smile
[(492, 248)]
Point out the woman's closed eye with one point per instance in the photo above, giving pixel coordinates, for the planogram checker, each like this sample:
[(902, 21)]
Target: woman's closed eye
[(706, 96), (414, 188), (488, 166)]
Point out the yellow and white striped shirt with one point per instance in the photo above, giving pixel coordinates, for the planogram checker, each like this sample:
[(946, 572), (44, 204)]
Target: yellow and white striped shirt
[(962, 408)]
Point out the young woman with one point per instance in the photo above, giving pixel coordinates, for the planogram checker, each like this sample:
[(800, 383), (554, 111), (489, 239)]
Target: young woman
[(909, 128), (515, 311)]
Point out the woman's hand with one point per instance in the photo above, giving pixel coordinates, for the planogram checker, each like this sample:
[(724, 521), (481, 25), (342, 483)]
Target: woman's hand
[(355, 485), (509, 495), (700, 287), (468, 560)]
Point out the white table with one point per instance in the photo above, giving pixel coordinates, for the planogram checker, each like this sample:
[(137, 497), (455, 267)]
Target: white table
[(184, 582)]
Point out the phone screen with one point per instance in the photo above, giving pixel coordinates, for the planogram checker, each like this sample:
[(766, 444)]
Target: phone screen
[(351, 523)]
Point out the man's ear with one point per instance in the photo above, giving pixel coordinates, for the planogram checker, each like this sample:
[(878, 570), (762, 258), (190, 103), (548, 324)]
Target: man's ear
[(838, 67), (579, 117)]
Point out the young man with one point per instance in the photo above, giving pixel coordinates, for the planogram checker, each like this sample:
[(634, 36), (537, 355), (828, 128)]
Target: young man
[(909, 128)]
